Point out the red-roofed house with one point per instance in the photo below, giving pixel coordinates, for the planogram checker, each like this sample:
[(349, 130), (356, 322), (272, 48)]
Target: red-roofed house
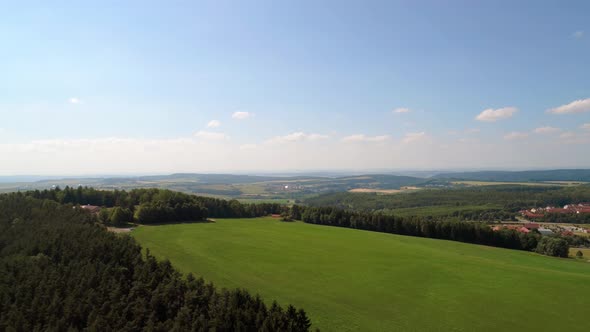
[(559, 210), (530, 214), (523, 230)]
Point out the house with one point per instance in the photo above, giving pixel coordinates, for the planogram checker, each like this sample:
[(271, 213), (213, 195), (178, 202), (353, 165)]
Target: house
[(559, 210), (91, 208), (531, 214), (523, 230), (531, 225), (545, 231)]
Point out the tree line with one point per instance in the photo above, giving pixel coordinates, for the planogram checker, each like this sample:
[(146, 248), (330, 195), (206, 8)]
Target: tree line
[(148, 206), (469, 232), (61, 271)]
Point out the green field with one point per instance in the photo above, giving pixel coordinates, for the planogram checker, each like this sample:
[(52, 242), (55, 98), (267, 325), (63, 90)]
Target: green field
[(351, 280)]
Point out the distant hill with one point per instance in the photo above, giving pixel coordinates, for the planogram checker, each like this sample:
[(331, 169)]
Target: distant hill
[(521, 176), (230, 185)]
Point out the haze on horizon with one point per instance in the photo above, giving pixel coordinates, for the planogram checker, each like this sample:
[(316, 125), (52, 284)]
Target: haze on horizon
[(143, 87)]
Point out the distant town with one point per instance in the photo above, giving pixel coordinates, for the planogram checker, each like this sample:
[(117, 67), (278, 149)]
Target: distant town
[(549, 228)]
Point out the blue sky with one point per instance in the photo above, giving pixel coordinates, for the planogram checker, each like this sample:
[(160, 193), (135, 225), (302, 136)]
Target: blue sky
[(317, 84)]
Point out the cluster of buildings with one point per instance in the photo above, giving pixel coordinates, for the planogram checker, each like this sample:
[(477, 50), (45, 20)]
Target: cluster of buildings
[(525, 228), (548, 229), (567, 209)]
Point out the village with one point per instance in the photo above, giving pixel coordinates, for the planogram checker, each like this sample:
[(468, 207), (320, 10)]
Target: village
[(548, 228), (545, 229), (580, 208)]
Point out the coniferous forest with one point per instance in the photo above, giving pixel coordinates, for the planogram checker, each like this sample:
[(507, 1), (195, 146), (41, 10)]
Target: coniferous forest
[(61, 271)]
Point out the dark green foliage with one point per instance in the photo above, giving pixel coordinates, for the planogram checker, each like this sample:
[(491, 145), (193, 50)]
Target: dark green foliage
[(159, 205), (60, 271), (120, 216), (296, 212), (470, 232), (553, 246)]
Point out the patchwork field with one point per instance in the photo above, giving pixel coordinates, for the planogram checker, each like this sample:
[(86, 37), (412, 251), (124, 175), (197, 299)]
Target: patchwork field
[(351, 280)]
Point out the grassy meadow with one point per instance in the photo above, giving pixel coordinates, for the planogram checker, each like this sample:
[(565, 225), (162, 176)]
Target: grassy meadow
[(352, 280)]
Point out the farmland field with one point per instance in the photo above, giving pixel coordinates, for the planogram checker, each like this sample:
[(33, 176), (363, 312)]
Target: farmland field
[(352, 280)]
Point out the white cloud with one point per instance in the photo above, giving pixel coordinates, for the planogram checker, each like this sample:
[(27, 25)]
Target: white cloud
[(413, 137), (493, 115), (248, 146), (211, 136), (75, 101), (577, 106), (515, 135), (401, 110), (578, 34), (296, 137), (213, 124), (185, 154), (585, 126), (546, 130), (364, 138), (241, 115)]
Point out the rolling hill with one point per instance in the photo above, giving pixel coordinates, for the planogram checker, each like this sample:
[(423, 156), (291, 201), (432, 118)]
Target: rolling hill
[(351, 280), (521, 176)]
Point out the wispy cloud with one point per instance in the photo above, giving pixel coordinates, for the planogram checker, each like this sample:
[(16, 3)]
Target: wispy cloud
[(546, 130), (493, 115), (578, 34), (472, 131), (401, 110), (364, 138), (568, 134), (576, 106), (515, 135), (211, 136), (585, 126), (296, 137), (413, 137), (74, 101), (213, 124), (571, 137), (241, 115)]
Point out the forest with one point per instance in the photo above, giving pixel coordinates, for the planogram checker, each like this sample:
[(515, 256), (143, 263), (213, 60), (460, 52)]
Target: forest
[(60, 270), (147, 206), (487, 203)]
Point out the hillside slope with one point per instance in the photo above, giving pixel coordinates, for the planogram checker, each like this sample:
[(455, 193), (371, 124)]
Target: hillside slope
[(351, 280)]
